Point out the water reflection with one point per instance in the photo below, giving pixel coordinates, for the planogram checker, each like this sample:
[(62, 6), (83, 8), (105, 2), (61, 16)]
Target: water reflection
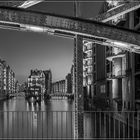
[(27, 119), (20, 104)]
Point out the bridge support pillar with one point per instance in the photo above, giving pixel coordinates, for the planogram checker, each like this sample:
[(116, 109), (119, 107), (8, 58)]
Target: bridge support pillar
[(79, 102)]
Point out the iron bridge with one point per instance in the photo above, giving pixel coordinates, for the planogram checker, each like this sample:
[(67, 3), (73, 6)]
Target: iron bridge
[(25, 20)]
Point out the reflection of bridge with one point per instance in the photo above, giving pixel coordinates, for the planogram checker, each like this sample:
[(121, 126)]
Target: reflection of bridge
[(19, 94)]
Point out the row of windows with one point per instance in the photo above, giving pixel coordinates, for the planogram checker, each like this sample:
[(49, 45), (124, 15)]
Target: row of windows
[(87, 47), (87, 62), (87, 80)]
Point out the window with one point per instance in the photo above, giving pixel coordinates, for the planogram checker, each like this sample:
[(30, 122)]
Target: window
[(94, 49), (129, 105), (124, 104), (84, 47), (89, 70), (84, 62), (89, 54), (102, 88), (89, 62), (108, 88), (94, 89), (89, 46), (90, 79)]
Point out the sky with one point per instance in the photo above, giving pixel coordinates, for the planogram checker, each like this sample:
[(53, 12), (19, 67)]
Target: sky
[(24, 51)]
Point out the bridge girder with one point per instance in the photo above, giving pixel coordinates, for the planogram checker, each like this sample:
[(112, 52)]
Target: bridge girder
[(44, 22), (11, 3), (119, 11), (21, 4), (29, 3)]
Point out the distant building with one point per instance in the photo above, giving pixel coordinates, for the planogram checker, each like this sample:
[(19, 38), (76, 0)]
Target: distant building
[(23, 87), (48, 81), (1, 79), (17, 87), (72, 79), (36, 82), (68, 83), (112, 75), (122, 83), (63, 86), (58, 86), (7, 80)]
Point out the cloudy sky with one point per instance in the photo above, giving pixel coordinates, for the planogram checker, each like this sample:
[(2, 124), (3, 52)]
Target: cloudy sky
[(27, 50)]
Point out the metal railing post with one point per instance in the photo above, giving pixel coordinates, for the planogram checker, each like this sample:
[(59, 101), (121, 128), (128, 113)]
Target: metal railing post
[(95, 123), (114, 127), (105, 123), (138, 124), (128, 125), (57, 124), (133, 116)]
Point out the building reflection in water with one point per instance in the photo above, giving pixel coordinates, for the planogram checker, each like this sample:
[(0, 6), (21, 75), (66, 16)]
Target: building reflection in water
[(26, 119)]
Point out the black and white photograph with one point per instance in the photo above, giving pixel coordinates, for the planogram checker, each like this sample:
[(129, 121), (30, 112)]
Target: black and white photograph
[(69, 69)]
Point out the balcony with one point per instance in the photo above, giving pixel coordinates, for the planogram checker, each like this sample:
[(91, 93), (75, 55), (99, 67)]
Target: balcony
[(87, 79), (87, 71), (87, 63), (114, 53), (87, 46), (119, 74)]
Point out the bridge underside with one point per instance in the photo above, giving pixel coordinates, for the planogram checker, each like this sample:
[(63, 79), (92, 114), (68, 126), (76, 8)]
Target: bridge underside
[(24, 20)]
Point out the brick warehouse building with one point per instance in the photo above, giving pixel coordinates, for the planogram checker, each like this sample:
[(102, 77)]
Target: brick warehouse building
[(58, 86), (122, 67), (7, 80), (48, 81), (111, 75)]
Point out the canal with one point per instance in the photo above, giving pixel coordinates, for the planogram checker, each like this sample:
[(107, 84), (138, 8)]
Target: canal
[(20, 118)]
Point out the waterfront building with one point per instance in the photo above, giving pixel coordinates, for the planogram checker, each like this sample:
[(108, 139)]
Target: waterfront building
[(23, 87), (72, 78), (36, 82), (17, 87), (68, 83), (58, 87), (122, 67), (4, 78), (7, 80), (114, 83), (1, 79), (48, 81)]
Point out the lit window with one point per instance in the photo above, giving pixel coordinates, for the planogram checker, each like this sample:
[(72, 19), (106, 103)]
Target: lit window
[(89, 54), (90, 79), (89, 70), (89, 46), (89, 62)]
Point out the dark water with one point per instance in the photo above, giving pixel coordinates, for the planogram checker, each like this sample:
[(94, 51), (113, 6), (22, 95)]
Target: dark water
[(20, 118)]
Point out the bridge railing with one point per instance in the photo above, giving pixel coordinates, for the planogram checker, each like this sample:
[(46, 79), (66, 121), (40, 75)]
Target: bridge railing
[(60, 124), (36, 124)]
